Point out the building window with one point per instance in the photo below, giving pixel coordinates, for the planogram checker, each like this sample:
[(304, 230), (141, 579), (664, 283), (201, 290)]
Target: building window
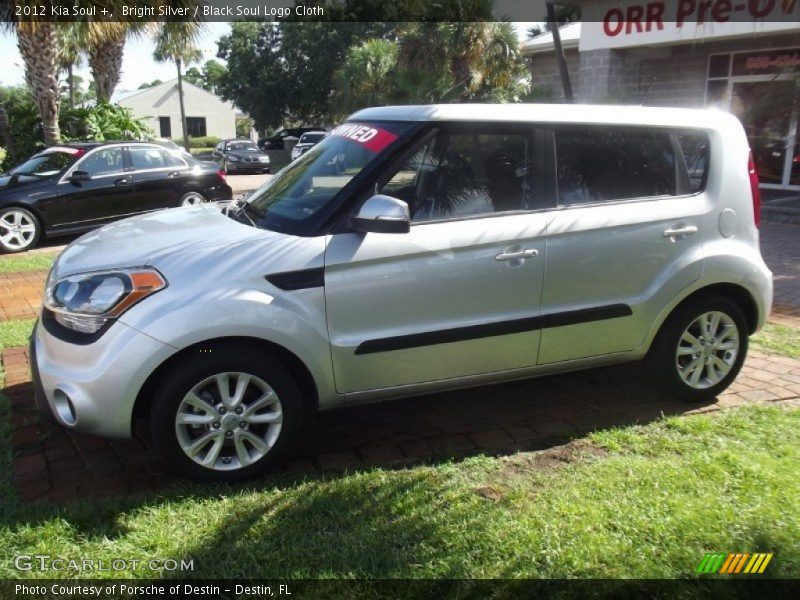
[(165, 125), (196, 126)]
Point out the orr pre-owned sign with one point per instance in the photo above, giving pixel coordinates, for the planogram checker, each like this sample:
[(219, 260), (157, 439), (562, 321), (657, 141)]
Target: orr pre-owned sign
[(627, 23)]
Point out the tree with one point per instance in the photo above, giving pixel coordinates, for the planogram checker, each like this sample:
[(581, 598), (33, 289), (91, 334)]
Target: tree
[(193, 75), (435, 62), (69, 55), (213, 72), (176, 42), (153, 83), (361, 81), (38, 45)]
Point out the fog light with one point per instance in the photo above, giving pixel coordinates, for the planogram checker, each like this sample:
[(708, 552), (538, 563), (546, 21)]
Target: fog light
[(64, 407)]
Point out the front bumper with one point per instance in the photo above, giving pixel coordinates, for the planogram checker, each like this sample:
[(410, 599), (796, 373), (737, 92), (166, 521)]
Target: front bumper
[(93, 387)]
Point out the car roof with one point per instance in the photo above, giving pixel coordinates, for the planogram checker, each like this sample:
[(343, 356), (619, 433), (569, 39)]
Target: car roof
[(552, 113), (238, 140)]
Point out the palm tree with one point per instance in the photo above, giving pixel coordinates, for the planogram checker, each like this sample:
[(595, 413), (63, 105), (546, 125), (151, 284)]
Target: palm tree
[(69, 55), (176, 42), (38, 44)]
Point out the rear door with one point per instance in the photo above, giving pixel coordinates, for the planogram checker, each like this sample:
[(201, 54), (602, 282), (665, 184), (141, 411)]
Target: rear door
[(460, 293), (107, 195), (159, 177), (610, 259)]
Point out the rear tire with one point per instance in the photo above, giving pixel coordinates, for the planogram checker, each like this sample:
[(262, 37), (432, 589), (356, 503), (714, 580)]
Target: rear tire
[(700, 349), (204, 434), (20, 230)]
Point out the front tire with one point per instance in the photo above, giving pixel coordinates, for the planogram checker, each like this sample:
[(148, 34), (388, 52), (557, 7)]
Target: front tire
[(19, 230), (192, 199), (700, 349), (226, 413)]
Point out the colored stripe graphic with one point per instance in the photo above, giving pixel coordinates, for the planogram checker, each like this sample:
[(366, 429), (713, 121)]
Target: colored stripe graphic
[(734, 563)]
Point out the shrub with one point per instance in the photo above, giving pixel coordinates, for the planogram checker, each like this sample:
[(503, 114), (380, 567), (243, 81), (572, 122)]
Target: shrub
[(205, 141), (103, 122), (3, 155)]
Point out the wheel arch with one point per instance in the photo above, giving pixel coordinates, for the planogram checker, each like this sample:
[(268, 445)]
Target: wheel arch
[(31, 209), (735, 292), (297, 368)]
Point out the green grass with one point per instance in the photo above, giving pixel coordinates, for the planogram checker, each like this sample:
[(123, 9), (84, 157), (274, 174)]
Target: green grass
[(779, 339), (645, 501), (15, 333), (36, 261)]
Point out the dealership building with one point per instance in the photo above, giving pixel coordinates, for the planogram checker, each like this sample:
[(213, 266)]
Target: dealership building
[(749, 68)]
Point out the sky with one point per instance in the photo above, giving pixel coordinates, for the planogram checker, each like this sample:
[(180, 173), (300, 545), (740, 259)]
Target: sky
[(138, 66)]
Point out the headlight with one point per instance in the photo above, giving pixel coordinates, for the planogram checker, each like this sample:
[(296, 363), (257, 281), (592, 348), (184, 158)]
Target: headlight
[(295, 152), (87, 301), (264, 159), (233, 158)]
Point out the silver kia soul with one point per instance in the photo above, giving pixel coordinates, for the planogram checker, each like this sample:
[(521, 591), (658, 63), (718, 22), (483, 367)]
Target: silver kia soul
[(416, 248)]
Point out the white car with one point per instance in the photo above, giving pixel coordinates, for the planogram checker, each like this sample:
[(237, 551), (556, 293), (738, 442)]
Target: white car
[(414, 249)]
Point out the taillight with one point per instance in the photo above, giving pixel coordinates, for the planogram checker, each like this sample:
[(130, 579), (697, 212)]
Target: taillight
[(221, 176), (755, 191)]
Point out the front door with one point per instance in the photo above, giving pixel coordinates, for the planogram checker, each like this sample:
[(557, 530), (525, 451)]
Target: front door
[(460, 293), (105, 196)]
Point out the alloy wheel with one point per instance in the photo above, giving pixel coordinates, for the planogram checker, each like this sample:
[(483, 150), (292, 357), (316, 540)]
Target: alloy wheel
[(707, 350), (229, 421), (192, 199), (17, 230)]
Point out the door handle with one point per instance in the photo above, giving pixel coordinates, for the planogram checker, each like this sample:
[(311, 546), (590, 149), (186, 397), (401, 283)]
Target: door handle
[(173, 174), (530, 253), (679, 231), (122, 181)]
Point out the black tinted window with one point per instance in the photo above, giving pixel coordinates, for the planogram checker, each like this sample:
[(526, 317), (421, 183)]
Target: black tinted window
[(597, 165), (459, 173), (103, 161), (694, 147)]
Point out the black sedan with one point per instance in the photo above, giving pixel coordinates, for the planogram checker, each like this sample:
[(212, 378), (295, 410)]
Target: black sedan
[(241, 156), (76, 187)]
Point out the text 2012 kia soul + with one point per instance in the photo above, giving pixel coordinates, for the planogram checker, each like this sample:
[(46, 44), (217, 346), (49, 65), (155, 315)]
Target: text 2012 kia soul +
[(414, 249)]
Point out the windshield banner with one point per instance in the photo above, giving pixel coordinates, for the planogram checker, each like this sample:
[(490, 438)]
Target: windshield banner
[(372, 138)]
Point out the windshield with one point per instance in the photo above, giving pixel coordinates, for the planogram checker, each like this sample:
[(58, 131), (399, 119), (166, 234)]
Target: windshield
[(243, 146), (298, 197), (48, 163), (311, 138)]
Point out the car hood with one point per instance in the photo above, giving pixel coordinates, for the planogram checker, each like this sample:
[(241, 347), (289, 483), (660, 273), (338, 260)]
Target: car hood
[(147, 239), (8, 182)]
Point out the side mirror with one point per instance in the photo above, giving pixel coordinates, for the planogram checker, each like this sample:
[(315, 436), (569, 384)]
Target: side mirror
[(382, 214), (78, 176)]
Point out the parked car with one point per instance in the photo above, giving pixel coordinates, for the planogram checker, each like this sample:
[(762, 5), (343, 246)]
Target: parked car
[(237, 156), (73, 188), (277, 141), (307, 141), (459, 246)]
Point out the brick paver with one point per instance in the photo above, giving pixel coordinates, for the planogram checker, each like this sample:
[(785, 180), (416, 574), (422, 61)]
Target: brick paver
[(56, 465), (21, 293)]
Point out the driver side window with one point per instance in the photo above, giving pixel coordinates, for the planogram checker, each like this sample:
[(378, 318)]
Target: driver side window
[(463, 171), (103, 162)]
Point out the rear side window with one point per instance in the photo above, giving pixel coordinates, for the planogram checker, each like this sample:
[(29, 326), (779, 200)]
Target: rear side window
[(694, 147), (605, 165)]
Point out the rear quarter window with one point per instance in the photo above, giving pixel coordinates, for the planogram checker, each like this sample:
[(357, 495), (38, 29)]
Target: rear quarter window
[(695, 150)]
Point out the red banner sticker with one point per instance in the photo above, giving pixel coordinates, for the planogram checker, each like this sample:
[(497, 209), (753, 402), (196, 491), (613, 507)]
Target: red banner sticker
[(373, 139), (65, 149)]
